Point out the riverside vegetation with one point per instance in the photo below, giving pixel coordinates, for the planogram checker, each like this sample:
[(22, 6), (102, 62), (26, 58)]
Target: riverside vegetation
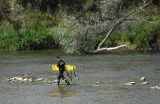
[(78, 26)]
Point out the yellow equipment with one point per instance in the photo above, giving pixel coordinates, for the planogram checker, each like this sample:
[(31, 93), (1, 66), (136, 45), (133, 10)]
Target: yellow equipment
[(67, 67)]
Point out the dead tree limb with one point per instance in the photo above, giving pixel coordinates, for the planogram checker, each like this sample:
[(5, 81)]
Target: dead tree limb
[(120, 21)]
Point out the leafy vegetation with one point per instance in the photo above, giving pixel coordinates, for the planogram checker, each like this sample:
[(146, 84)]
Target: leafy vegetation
[(30, 34), (144, 35), (68, 34), (76, 26)]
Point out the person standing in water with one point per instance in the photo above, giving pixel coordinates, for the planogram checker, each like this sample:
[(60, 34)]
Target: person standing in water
[(61, 65)]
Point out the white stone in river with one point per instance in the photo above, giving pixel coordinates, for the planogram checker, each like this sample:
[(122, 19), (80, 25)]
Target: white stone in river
[(55, 81), (142, 78), (25, 79), (98, 82), (144, 83), (130, 83), (30, 79), (157, 87), (17, 78), (39, 79), (152, 87)]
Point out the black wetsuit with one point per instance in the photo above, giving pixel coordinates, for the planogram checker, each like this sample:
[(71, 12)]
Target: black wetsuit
[(61, 66)]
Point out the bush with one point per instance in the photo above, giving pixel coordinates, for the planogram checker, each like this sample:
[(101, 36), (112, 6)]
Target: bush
[(144, 35), (35, 39), (8, 39), (33, 32), (69, 34), (91, 44)]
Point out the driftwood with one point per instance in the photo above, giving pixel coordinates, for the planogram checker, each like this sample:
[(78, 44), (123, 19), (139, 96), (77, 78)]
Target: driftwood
[(120, 21)]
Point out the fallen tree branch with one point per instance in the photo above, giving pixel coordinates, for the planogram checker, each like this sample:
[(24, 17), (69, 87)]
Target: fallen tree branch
[(110, 49), (120, 21)]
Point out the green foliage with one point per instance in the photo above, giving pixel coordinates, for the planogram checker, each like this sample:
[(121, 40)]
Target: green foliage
[(91, 44), (8, 39), (143, 35), (30, 40), (109, 9), (68, 34), (35, 39), (33, 32), (32, 24), (113, 40)]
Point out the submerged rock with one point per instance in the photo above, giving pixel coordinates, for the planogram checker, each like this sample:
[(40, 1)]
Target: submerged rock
[(8, 80), (47, 81)]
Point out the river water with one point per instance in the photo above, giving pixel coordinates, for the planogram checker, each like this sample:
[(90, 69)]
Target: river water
[(112, 70)]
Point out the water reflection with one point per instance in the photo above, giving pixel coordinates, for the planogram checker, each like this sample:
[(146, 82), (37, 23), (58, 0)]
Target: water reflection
[(62, 91)]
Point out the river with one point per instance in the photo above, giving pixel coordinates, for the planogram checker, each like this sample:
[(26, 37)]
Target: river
[(110, 70)]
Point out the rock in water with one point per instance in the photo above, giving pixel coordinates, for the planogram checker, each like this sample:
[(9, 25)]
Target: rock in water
[(98, 82), (40, 79), (30, 80), (152, 87), (130, 83), (17, 78), (55, 81), (77, 78), (144, 83), (142, 78), (157, 87)]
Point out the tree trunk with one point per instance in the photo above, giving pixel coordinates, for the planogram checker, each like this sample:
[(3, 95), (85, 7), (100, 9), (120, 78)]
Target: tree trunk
[(120, 21)]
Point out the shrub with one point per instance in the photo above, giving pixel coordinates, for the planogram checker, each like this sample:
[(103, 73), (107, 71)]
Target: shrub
[(69, 34), (143, 35), (8, 39)]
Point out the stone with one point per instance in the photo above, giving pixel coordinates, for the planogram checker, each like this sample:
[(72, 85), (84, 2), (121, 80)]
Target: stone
[(130, 83), (142, 78), (40, 79), (157, 87), (152, 87), (55, 81), (143, 83), (98, 82), (31, 80)]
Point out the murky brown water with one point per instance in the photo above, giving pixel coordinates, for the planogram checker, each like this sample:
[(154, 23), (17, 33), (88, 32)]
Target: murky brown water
[(112, 70)]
